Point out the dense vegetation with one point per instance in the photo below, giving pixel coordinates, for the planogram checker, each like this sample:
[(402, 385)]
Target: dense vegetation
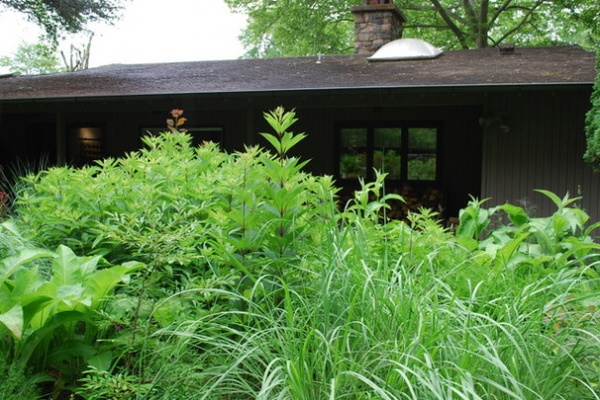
[(592, 123), (69, 16), (307, 27), (188, 273)]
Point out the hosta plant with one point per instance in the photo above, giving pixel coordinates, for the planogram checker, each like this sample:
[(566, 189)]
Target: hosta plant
[(48, 307)]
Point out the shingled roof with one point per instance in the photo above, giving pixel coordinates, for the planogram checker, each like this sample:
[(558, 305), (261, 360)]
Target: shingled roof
[(564, 65)]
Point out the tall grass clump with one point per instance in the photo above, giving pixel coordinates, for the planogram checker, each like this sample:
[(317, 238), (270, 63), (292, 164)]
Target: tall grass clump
[(421, 316), (255, 284)]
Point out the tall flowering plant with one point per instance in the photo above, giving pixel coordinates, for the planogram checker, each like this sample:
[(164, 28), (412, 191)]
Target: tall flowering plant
[(176, 121)]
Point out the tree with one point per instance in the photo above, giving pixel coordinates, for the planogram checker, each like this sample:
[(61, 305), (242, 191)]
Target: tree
[(296, 27), (68, 15), (481, 23), (34, 58), (592, 124), (307, 27), (42, 58)]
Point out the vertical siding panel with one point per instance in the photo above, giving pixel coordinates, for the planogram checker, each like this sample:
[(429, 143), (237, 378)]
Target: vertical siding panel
[(525, 138), (545, 135), (543, 150)]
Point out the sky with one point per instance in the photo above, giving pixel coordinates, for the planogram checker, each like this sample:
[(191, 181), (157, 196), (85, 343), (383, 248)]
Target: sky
[(149, 31)]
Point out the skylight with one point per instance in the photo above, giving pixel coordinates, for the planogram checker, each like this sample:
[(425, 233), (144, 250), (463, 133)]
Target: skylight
[(405, 49)]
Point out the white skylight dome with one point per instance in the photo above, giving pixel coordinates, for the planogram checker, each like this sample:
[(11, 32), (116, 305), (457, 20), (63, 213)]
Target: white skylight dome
[(405, 49)]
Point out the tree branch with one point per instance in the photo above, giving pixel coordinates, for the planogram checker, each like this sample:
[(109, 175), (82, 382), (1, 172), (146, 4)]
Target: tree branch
[(524, 21), (499, 11), (453, 27), (470, 12)]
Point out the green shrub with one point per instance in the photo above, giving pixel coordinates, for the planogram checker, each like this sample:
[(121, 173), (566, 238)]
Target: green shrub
[(592, 123), (16, 384), (171, 205), (257, 287), (48, 309)]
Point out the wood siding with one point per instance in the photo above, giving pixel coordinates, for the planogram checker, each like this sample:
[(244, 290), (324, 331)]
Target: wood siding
[(542, 150)]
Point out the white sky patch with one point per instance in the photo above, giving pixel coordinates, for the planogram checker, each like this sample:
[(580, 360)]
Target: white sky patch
[(149, 31)]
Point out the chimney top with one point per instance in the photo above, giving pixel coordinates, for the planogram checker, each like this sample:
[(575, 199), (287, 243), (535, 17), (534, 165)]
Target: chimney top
[(376, 22)]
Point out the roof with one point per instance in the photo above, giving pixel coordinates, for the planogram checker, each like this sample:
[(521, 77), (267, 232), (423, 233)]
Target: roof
[(562, 65)]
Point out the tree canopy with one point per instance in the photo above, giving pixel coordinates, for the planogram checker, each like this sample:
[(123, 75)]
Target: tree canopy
[(592, 125), (68, 15), (33, 59), (296, 27), (307, 27)]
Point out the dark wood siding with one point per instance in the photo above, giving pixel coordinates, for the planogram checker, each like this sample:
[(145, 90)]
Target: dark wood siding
[(542, 150)]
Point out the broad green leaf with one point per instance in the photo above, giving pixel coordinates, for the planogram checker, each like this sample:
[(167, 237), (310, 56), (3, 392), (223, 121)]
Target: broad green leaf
[(72, 295), (10, 264), (26, 281), (67, 267), (13, 320), (49, 328), (273, 140), (516, 214), (70, 350), (101, 361), (504, 253), (100, 283)]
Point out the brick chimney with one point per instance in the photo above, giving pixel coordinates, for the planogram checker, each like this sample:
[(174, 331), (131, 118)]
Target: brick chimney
[(376, 22)]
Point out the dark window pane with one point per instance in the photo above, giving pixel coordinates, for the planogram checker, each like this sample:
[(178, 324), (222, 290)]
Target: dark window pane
[(387, 151), (422, 140), (421, 167), (353, 155), (422, 147)]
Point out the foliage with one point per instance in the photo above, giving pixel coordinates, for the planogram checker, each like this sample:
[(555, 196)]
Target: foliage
[(34, 58), (541, 244), (99, 385), (592, 124), (172, 205), (296, 28), (49, 300), (257, 286), (491, 22), (417, 317), (65, 15), (304, 28), (15, 382)]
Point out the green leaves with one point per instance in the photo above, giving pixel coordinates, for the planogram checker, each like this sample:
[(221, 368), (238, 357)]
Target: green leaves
[(592, 123), (54, 16), (307, 28), (474, 219), (296, 27), (282, 140), (13, 320), (549, 242), (47, 294)]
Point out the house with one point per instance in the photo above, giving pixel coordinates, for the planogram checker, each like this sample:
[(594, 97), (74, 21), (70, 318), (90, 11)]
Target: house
[(486, 123)]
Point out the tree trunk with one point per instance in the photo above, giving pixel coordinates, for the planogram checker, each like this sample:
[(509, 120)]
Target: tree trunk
[(481, 40)]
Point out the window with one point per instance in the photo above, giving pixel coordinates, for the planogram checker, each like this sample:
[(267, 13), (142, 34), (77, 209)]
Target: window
[(87, 145), (404, 152)]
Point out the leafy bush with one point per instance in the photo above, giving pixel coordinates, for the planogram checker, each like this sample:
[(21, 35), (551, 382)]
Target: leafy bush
[(15, 382), (47, 312), (592, 123), (256, 286), (429, 322), (172, 205)]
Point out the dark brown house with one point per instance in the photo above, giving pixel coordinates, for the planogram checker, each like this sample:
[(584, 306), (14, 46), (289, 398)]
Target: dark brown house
[(486, 123)]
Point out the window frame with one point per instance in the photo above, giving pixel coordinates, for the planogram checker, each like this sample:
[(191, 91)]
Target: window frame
[(370, 148)]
